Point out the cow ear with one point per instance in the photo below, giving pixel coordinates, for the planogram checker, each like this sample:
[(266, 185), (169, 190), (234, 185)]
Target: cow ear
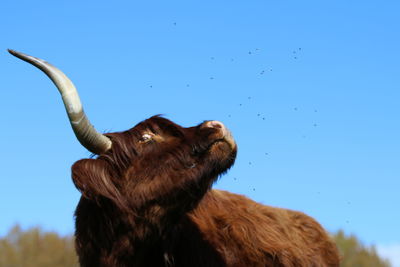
[(93, 178)]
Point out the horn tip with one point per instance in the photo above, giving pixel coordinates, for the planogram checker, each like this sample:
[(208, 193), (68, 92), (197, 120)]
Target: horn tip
[(19, 55), (13, 52)]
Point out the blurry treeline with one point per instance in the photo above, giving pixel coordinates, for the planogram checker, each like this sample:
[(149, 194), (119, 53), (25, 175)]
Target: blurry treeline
[(355, 254), (37, 248)]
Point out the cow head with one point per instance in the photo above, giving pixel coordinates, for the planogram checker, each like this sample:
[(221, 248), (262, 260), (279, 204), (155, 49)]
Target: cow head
[(156, 159)]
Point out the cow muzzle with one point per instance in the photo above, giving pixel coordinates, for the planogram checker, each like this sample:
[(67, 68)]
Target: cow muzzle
[(222, 133)]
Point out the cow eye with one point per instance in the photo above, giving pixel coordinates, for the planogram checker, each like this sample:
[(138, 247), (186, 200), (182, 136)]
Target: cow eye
[(145, 138)]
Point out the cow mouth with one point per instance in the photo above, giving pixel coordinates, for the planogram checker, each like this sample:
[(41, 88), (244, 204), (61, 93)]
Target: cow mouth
[(224, 144), (224, 150), (224, 141)]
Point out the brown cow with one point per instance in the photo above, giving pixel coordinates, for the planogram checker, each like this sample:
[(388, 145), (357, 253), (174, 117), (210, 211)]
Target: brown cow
[(147, 199)]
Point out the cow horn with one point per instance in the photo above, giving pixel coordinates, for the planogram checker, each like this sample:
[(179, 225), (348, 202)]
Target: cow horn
[(92, 140)]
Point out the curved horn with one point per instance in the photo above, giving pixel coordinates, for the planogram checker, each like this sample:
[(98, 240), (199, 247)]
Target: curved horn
[(92, 140)]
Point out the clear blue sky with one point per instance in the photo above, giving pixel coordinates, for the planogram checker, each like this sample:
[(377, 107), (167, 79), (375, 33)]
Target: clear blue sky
[(310, 90)]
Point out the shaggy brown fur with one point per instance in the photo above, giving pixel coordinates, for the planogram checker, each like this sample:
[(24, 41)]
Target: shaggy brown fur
[(148, 202)]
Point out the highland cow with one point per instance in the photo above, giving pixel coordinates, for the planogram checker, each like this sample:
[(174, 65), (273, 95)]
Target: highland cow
[(147, 199)]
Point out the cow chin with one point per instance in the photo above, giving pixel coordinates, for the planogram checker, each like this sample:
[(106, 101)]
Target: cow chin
[(224, 152)]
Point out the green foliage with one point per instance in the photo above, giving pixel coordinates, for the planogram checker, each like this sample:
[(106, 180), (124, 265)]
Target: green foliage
[(35, 248), (354, 254)]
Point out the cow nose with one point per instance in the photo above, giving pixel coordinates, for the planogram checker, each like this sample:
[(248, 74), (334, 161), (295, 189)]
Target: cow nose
[(214, 124)]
